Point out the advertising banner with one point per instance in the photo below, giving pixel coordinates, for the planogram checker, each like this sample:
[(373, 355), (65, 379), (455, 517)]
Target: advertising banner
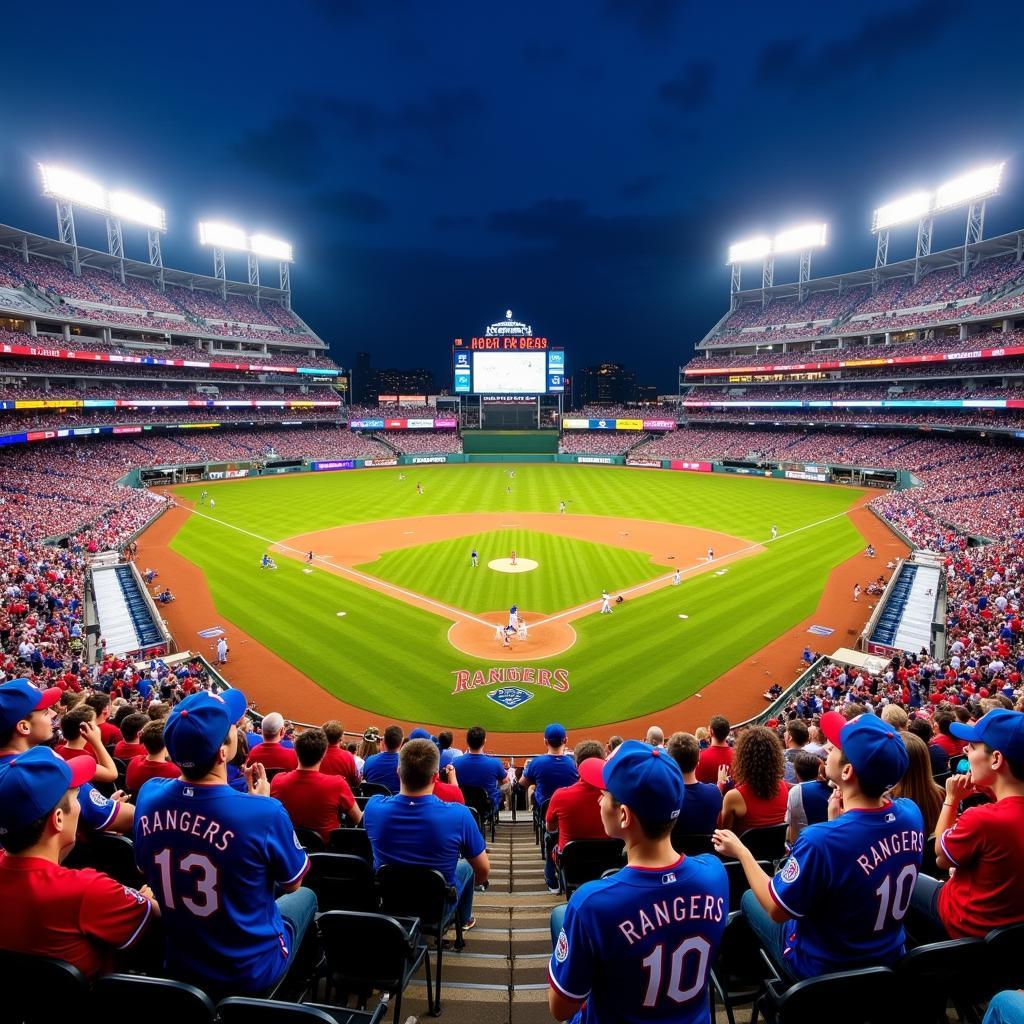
[(318, 467), (419, 424), (818, 477), (366, 424), (659, 424), (380, 462), (602, 460), (644, 463), (422, 459), (446, 424), (692, 467)]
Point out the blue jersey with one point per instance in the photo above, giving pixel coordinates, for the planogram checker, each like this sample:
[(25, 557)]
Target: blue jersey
[(702, 804), (846, 886), (548, 773), (382, 769), (212, 856), (639, 946), (481, 770), (98, 812), (421, 830)]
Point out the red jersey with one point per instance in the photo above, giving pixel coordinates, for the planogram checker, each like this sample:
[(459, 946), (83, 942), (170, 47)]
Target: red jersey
[(575, 813), (313, 800), (986, 891), (110, 734), (273, 755), (126, 751), (949, 744), (338, 761), (710, 759), (82, 917), (69, 752), (448, 793), (761, 813), (141, 770)]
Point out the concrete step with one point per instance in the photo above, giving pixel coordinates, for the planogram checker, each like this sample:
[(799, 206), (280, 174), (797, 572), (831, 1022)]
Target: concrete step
[(534, 901)]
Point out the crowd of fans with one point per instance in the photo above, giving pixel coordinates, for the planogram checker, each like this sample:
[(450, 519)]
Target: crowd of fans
[(413, 442), (599, 442)]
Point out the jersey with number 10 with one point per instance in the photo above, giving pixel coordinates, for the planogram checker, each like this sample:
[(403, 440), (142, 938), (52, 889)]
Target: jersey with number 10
[(639, 946), (212, 856), (847, 886)]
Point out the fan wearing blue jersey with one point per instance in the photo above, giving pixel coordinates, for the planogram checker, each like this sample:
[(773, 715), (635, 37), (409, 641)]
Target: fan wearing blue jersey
[(840, 899), (553, 769), (214, 858), (638, 946)]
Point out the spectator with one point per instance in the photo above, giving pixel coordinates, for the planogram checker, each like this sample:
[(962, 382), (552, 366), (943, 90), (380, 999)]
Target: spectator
[(760, 796), (414, 827), (839, 900), (985, 844), (552, 770), (475, 768), (816, 742), (154, 765), (82, 736), (574, 811), (82, 917), (337, 760), (919, 785), (215, 858), (613, 744), (448, 790), (794, 738), (922, 729), (129, 746), (382, 769), (719, 753), (807, 803), (655, 737), (272, 753), (944, 739), (312, 799), (606, 949), (100, 703), (447, 751), (703, 801), (368, 746)]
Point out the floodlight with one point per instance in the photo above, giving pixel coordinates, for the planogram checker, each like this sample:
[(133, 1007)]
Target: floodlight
[(900, 211), (72, 187), (126, 206), (799, 239), (751, 250), (264, 245), (977, 184), (222, 236)]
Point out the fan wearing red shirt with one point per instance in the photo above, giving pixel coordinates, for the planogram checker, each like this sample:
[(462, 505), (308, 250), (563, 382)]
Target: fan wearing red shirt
[(270, 753), (943, 737), (986, 843), (154, 765), (448, 791), (83, 917), (100, 703), (719, 753), (129, 746), (337, 760), (312, 799), (82, 736), (574, 812)]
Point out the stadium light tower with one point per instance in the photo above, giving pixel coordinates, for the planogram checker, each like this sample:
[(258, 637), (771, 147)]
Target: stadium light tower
[(971, 190), (222, 236), (126, 206), (913, 207), (273, 248), (68, 189), (803, 239), (749, 251)]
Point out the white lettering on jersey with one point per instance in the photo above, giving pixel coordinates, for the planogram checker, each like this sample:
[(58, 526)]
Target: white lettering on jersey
[(697, 907), (898, 842)]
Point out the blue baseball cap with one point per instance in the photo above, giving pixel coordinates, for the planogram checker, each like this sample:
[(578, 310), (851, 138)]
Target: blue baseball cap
[(420, 734), (874, 748), (1001, 730), (554, 734), (644, 778), (196, 728), (33, 783), (19, 698)]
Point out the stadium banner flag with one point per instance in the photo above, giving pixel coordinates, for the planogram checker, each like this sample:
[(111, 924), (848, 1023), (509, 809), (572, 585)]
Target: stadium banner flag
[(692, 467)]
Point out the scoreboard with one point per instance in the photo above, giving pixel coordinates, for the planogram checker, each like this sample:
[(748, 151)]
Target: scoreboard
[(507, 365)]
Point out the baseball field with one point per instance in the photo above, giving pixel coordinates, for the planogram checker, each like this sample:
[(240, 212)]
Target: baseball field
[(390, 615)]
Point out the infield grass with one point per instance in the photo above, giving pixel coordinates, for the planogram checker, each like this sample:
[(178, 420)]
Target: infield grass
[(395, 660)]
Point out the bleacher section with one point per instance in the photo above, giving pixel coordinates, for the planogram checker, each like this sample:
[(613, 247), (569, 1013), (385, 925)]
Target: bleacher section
[(905, 623), (125, 619)]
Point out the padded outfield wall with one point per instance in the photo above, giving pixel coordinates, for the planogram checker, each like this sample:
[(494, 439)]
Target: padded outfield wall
[(510, 442)]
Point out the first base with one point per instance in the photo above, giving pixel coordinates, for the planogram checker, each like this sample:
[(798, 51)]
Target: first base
[(341, 615)]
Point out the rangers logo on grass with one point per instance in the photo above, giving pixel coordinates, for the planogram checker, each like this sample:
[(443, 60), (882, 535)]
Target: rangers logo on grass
[(510, 696)]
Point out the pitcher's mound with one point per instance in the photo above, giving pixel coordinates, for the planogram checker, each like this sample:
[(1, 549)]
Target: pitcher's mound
[(505, 565)]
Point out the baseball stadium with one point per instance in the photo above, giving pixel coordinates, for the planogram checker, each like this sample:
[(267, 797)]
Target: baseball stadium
[(535, 707)]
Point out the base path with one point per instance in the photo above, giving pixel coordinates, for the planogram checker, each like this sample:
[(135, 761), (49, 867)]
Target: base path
[(274, 684)]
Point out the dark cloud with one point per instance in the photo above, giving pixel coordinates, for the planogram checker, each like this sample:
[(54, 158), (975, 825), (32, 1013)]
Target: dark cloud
[(454, 221), (652, 17), (289, 149), (640, 188), (691, 88), (442, 117), (353, 206), (875, 44)]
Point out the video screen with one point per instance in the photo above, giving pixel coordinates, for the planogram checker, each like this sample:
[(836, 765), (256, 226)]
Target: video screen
[(510, 373)]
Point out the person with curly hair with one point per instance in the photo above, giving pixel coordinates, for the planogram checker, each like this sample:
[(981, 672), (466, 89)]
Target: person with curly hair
[(760, 795)]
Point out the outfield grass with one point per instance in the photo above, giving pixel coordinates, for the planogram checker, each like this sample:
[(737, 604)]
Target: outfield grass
[(394, 660)]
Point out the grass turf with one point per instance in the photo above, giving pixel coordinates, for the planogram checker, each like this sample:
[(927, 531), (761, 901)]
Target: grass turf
[(394, 660)]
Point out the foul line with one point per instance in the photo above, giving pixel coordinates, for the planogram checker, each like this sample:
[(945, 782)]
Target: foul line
[(373, 581)]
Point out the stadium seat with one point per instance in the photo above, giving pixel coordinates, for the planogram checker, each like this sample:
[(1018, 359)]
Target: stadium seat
[(110, 853), (159, 1000), (766, 843), (341, 881), (738, 884), (311, 840), (691, 844), (539, 814), (866, 996), (477, 799), (34, 985), (422, 893), (739, 974), (372, 789), (584, 860), (369, 953), (932, 975), (1006, 957), (241, 1010), (354, 841)]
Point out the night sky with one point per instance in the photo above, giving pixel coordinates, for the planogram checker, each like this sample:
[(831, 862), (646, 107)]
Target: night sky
[(585, 164)]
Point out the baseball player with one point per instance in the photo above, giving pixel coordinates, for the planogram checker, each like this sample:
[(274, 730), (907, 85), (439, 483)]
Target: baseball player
[(222, 651), (419, 488), (309, 558), (606, 603), (499, 632), (202, 498), (711, 554), (676, 577), (474, 558), (839, 901), (618, 946), (522, 629), (214, 858), (561, 508), (513, 556), (775, 532), (213, 504), (513, 618), (856, 591)]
